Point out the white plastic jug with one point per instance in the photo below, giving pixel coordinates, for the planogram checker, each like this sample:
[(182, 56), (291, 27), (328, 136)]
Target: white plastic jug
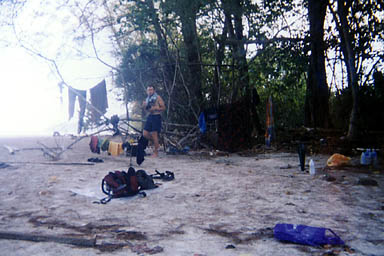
[(312, 169)]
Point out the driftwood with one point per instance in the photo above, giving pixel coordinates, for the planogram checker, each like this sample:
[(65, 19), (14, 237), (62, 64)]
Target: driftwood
[(49, 163), (175, 135), (172, 124), (180, 139), (190, 135), (81, 242), (47, 238), (56, 154), (11, 150), (48, 151)]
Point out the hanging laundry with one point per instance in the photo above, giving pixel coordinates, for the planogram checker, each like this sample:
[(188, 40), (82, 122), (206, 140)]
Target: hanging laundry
[(93, 144), (270, 124), (82, 98), (98, 144), (71, 101), (104, 144), (72, 95), (99, 100)]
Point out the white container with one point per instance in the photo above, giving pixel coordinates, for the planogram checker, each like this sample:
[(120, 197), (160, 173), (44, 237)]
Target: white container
[(312, 169), (363, 161)]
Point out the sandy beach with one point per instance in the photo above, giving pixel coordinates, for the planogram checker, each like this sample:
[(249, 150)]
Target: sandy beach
[(216, 205)]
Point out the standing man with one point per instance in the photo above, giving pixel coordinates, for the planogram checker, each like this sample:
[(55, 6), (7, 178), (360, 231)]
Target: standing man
[(153, 104)]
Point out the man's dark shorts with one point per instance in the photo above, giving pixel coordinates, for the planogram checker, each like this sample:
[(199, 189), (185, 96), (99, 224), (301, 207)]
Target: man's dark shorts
[(153, 123)]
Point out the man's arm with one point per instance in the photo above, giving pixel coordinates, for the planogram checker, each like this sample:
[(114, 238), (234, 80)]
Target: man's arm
[(161, 104)]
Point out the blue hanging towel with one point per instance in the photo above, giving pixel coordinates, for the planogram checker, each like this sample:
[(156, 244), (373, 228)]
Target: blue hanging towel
[(202, 123), (306, 235)]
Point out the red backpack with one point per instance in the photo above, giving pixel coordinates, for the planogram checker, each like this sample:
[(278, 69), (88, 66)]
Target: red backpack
[(120, 184)]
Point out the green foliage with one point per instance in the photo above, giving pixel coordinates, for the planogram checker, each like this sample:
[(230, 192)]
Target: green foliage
[(371, 102), (276, 68), (280, 70), (139, 67)]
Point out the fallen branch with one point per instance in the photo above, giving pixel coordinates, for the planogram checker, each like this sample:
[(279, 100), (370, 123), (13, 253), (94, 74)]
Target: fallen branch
[(48, 151), (49, 163), (191, 134), (11, 150), (56, 155), (48, 238), (168, 140)]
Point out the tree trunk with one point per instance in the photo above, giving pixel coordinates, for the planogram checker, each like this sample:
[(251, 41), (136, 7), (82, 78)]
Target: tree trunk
[(317, 98), (349, 58), (235, 31), (219, 57), (191, 42), (161, 41), (167, 60)]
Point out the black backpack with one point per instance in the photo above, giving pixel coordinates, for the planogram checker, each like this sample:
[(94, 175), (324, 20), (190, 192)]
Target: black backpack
[(120, 184), (145, 181)]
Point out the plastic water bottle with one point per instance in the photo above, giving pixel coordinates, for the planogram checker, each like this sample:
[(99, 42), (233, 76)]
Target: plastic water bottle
[(307, 235), (312, 169)]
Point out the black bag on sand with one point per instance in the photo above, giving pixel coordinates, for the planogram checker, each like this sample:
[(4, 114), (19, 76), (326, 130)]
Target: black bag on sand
[(145, 181), (120, 184)]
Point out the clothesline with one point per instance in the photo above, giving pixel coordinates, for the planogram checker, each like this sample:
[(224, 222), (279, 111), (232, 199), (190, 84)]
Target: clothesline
[(98, 102), (84, 98)]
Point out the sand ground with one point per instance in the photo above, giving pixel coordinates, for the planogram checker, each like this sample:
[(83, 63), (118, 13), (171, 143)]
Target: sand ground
[(217, 205)]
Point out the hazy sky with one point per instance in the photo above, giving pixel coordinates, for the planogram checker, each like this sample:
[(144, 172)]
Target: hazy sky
[(30, 101)]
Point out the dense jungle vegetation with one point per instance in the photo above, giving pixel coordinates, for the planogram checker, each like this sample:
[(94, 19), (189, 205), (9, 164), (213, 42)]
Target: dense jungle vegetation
[(320, 60)]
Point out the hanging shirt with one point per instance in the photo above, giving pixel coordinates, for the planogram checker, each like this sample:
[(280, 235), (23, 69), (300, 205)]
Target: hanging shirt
[(99, 99)]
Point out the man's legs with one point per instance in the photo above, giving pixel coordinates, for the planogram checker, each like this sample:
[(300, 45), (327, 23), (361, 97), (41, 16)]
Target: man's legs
[(149, 136), (151, 132), (146, 135), (155, 139)]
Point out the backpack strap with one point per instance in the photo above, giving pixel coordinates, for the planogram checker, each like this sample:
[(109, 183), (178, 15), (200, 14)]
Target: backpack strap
[(105, 200), (167, 176), (142, 193)]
